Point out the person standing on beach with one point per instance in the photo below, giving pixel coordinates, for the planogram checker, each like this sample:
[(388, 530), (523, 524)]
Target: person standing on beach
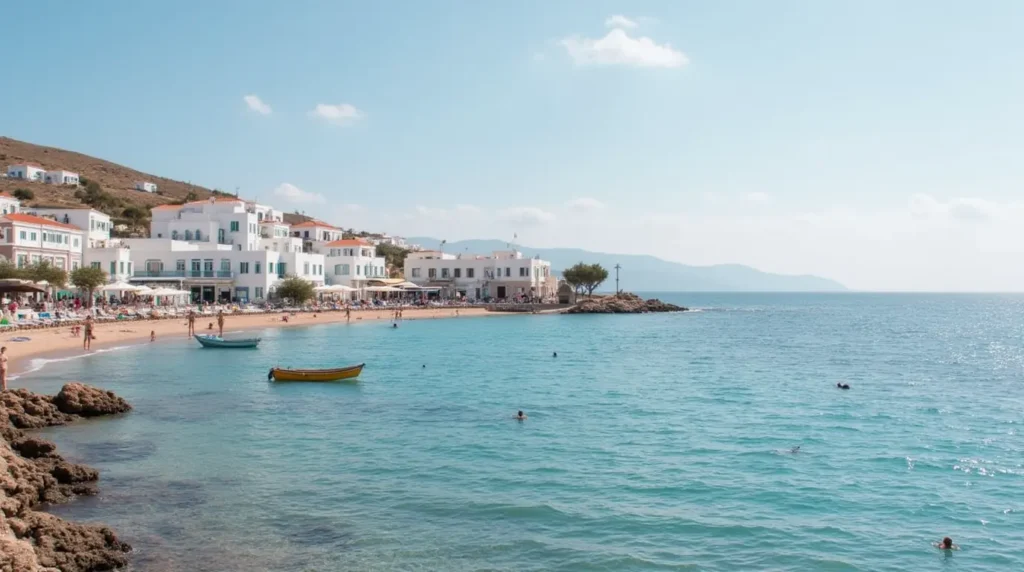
[(348, 313), (3, 367), (220, 322), (87, 340), (191, 323)]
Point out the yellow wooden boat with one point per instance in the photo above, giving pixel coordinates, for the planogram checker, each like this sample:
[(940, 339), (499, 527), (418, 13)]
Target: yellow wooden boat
[(336, 374)]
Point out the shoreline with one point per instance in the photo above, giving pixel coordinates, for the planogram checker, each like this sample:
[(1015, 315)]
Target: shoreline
[(56, 343)]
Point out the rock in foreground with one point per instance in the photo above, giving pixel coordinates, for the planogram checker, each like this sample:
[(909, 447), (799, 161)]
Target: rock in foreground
[(622, 303), (32, 473)]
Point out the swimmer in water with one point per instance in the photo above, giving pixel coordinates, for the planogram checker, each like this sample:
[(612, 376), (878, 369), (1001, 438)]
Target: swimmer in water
[(394, 325), (520, 416), (947, 544), (842, 385), (795, 450), (555, 354)]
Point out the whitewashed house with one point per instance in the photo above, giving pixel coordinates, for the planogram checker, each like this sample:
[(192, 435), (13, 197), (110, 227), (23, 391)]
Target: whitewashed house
[(502, 275), (61, 177), (97, 225), (28, 239), (9, 204), (145, 186), (351, 262), (26, 171)]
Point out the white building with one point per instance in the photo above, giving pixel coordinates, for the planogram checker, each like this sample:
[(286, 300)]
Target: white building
[(26, 171), (316, 231), (28, 239), (100, 251), (145, 186), (61, 177), (398, 241), (221, 249), (9, 204), (505, 274), (351, 262), (97, 225)]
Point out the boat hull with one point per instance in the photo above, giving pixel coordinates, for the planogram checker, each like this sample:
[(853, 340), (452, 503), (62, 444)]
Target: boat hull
[(215, 342), (337, 374)]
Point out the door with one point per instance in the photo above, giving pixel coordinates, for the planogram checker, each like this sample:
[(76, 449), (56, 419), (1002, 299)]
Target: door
[(220, 235), (501, 291)]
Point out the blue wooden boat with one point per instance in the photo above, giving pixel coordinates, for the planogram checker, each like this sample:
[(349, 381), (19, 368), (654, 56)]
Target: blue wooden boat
[(219, 342)]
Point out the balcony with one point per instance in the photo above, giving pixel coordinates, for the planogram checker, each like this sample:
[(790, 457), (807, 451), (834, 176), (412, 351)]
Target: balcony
[(206, 274), (159, 274)]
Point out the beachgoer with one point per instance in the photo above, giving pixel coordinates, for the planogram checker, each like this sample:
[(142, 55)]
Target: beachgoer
[(795, 450), (394, 325), (87, 335), (191, 322), (947, 544), (220, 322), (554, 354), (152, 335), (520, 416), (3, 367), (348, 313), (842, 385)]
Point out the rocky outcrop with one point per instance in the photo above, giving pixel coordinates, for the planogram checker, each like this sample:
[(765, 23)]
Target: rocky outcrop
[(32, 474), (622, 303)]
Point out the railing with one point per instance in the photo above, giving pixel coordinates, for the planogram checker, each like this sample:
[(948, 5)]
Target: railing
[(159, 274), (207, 274)]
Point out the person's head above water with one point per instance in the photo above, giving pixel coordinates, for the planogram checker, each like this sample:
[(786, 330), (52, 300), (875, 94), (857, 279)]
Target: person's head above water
[(554, 354), (947, 543)]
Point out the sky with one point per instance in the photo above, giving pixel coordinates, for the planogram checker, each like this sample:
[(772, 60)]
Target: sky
[(877, 143)]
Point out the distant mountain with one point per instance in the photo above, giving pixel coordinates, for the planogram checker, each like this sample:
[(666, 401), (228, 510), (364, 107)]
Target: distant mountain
[(641, 273)]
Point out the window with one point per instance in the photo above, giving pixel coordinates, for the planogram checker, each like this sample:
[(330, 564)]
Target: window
[(444, 273), (270, 268), (432, 273), (469, 272), (305, 234), (23, 235), (524, 272), (345, 270), (243, 267), (282, 268), (259, 292), (179, 265), (225, 264), (94, 264), (197, 266), (508, 272), (188, 235), (74, 265), (75, 243), (256, 268), (129, 267), (113, 268), (32, 236), (174, 235), (458, 273), (121, 266), (305, 268), (59, 262), (416, 273), (199, 235), (234, 226), (23, 261)]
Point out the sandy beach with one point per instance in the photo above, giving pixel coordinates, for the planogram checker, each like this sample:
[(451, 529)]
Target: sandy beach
[(58, 342)]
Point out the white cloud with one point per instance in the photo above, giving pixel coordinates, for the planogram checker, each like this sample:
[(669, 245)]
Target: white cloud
[(618, 48), (468, 210), (967, 210), (256, 104), (340, 114), (431, 212), (585, 205), (526, 215), (619, 21), (757, 198), (293, 194)]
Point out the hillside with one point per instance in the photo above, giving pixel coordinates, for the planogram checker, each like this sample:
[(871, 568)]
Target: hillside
[(642, 273), (117, 180)]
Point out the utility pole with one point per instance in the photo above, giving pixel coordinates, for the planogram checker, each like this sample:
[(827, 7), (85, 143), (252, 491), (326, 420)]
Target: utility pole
[(617, 267)]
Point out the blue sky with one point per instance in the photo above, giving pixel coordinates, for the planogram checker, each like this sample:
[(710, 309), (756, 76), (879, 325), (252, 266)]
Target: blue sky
[(877, 143)]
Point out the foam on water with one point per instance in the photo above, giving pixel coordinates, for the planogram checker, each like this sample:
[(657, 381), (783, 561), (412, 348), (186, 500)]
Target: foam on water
[(656, 442)]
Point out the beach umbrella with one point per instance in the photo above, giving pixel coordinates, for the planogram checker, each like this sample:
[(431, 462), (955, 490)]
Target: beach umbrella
[(121, 287), (323, 289), (342, 288), (18, 285)]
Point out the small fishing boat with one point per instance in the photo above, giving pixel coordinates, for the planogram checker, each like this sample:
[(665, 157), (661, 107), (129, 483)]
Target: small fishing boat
[(336, 374), (219, 342)]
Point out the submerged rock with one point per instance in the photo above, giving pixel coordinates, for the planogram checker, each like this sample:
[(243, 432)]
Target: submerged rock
[(33, 474), (622, 303)]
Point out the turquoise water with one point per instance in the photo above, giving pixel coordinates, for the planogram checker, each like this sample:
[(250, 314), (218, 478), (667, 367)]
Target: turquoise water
[(656, 442)]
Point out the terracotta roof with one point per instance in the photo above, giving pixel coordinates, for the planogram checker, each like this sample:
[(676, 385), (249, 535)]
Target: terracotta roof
[(277, 222), (217, 200), (166, 207), (8, 196), (349, 242), (32, 219), (314, 222)]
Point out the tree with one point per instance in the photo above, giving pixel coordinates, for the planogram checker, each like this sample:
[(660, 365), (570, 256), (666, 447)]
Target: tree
[(394, 256), (295, 289), (9, 270), (585, 277), (24, 194), (89, 279), (135, 215), (191, 196), (45, 271)]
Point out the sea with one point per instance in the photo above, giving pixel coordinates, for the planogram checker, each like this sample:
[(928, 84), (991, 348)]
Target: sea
[(711, 440)]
